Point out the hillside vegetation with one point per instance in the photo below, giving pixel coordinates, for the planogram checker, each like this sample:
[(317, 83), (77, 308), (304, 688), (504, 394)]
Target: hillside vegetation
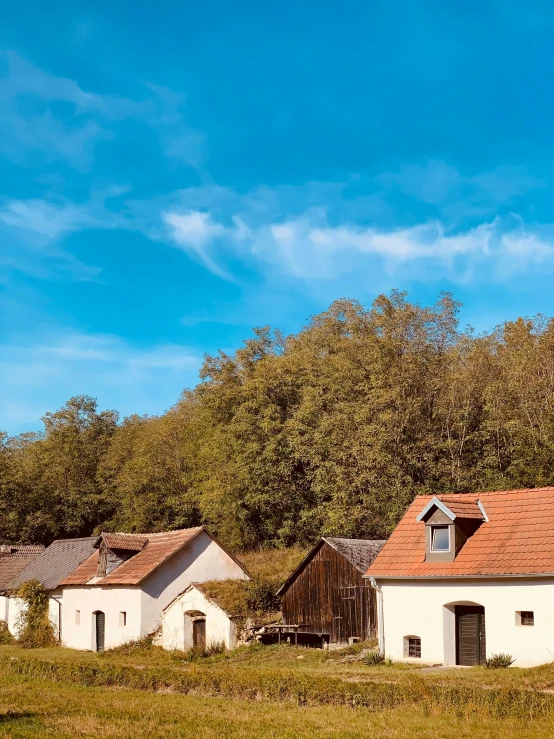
[(332, 430)]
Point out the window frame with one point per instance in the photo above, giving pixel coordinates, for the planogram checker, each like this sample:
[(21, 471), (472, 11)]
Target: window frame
[(412, 646), (527, 618), (432, 543), (77, 618), (123, 618)]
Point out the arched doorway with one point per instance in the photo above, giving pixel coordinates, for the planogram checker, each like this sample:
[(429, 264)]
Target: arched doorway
[(99, 630), (194, 630), (471, 639), (465, 639)]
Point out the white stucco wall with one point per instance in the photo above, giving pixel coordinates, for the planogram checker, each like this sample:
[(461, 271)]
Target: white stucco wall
[(177, 625), (112, 601), (202, 560), (425, 609)]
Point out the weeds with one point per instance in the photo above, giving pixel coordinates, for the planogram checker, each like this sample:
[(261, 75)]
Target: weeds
[(499, 660), (5, 635), (374, 657)]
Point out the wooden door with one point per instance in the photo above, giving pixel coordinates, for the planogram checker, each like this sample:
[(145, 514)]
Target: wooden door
[(100, 620), (199, 633), (471, 645)]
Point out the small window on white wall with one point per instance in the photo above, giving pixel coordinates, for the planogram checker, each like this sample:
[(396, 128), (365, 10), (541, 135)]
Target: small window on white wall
[(525, 618), (412, 647), (123, 618), (77, 617)]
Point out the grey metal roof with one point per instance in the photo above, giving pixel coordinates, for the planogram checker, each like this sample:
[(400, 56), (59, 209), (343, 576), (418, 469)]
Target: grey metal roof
[(57, 562), (359, 552)]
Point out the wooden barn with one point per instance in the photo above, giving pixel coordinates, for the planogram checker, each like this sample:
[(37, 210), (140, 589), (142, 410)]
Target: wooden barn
[(327, 593)]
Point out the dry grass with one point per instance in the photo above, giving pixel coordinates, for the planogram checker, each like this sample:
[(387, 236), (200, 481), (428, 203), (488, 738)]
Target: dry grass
[(31, 708), (273, 564)]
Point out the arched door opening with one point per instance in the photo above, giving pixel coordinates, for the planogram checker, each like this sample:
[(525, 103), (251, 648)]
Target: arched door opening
[(194, 630), (99, 630)]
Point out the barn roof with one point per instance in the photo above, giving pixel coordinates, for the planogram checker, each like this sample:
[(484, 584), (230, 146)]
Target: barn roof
[(515, 537), (359, 552), (56, 562)]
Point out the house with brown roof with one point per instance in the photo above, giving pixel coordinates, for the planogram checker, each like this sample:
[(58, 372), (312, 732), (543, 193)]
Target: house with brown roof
[(119, 592), (327, 593), (467, 576)]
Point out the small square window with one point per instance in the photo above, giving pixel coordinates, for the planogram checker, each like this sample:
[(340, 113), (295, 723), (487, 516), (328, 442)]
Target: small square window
[(77, 617), (123, 618), (440, 538), (527, 618), (414, 647)]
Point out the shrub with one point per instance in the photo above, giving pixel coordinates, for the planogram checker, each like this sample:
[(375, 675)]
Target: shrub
[(34, 626), (261, 596), (499, 660), (374, 657), (5, 635)]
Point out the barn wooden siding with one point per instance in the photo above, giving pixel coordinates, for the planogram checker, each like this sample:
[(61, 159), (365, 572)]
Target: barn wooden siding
[(331, 596)]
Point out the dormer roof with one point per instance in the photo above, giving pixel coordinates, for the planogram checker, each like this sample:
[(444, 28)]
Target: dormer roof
[(516, 537), (454, 508)]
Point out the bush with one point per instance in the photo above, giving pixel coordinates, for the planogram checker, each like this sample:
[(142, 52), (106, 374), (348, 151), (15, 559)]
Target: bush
[(34, 627), (499, 660), (261, 596), (5, 634), (374, 657)]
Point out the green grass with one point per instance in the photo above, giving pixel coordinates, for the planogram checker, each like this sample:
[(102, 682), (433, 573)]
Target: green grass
[(297, 677), (33, 708), (273, 564)]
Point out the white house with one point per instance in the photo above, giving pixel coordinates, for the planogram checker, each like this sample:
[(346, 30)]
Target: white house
[(196, 619), (464, 577), (119, 593), (49, 567)]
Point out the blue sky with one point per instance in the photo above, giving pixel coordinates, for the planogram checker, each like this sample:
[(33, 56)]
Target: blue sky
[(174, 173)]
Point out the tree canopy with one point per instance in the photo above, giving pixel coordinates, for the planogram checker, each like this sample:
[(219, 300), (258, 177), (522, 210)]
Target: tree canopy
[(332, 430)]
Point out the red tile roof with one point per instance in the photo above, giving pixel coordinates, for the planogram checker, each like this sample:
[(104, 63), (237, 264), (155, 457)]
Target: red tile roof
[(157, 549), (131, 542), (518, 538)]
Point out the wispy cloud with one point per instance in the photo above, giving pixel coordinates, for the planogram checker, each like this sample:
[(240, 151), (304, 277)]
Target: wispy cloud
[(31, 119), (44, 374), (33, 232), (323, 241)]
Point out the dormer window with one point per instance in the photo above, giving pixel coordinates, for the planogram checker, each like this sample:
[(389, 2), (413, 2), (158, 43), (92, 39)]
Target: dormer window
[(449, 522), (440, 538)]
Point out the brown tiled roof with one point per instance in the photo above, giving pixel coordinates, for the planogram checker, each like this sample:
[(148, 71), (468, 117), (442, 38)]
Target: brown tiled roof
[(462, 508), (131, 542), (359, 552), (56, 562), (158, 548), (12, 564), (517, 539)]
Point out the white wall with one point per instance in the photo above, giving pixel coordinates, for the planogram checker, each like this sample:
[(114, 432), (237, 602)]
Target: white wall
[(177, 627), (425, 608), (202, 560), (112, 601)]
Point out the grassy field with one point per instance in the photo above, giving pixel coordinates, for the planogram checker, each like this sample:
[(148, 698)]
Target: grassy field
[(279, 691), (32, 708)]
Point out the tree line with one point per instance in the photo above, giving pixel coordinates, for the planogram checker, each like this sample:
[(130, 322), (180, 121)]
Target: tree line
[(332, 430)]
